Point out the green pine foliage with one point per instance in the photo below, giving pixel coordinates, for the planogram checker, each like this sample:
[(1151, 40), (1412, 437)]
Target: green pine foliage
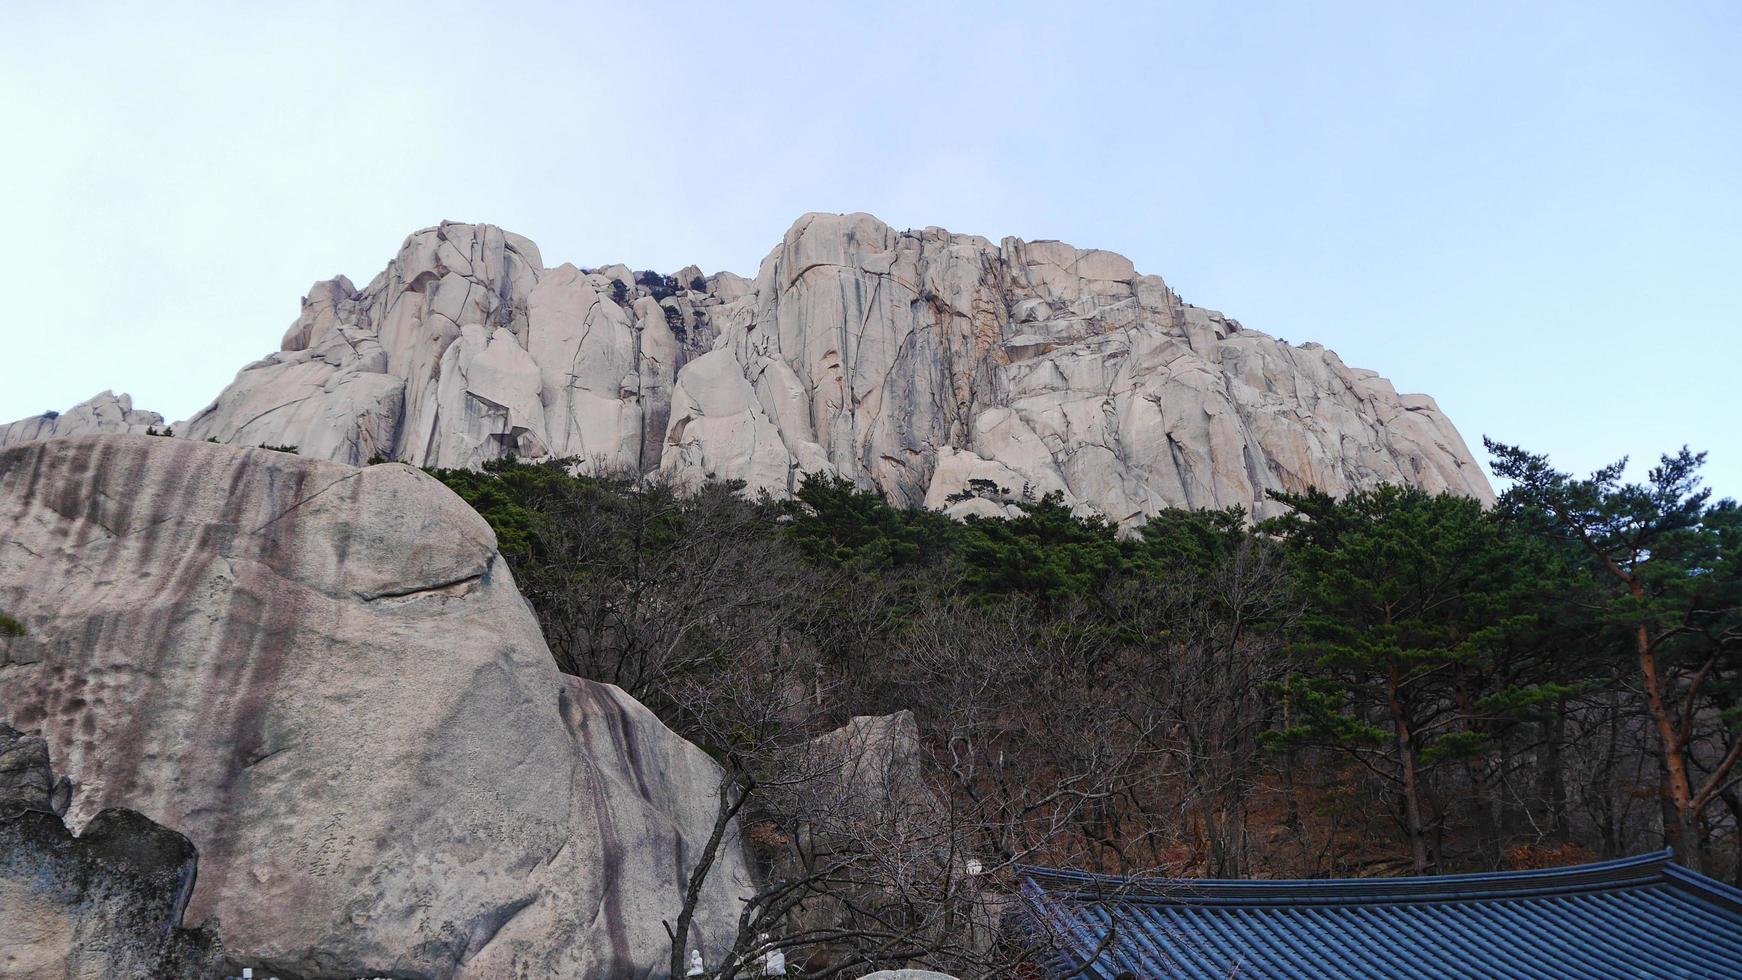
[(1399, 587), (510, 495), (834, 522), (1045, 553), (1661, 560), (1440, 649)]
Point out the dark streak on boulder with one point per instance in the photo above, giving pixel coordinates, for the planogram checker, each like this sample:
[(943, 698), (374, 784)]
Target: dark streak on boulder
[(323, 677)]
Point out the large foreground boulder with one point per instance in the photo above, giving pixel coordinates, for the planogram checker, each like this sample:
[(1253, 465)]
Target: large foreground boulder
[(325, 677)]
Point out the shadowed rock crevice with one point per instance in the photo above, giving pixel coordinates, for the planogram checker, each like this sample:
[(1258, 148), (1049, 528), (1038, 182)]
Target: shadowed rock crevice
[(107, 902)]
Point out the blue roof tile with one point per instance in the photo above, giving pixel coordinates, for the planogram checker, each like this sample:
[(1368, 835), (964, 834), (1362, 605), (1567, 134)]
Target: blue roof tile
[(1636, 917)]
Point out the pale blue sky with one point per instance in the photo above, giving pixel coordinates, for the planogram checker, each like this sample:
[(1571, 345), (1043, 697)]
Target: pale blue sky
[(1532, 211)]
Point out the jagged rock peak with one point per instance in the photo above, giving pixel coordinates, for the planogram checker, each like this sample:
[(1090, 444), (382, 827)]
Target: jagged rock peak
[(940, 369), (466, 348), (100, 413)]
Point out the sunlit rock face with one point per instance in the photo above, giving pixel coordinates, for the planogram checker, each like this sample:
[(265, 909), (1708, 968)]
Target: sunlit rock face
[(907, 361), (324, 676), (917, 361), (466, 348)]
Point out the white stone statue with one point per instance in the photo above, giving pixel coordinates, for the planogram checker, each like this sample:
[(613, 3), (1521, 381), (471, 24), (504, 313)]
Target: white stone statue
[(695, 969)]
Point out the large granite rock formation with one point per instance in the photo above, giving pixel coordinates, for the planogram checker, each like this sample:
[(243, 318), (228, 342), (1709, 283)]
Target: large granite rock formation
[(102, 412), (107, 903), (466, 348), (918, 361), (325, 677), (915, 362), (871, 769), (867, 797)]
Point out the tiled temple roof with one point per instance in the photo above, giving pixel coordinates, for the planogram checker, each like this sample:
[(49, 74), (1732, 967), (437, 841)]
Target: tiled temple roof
[(1636, 917)]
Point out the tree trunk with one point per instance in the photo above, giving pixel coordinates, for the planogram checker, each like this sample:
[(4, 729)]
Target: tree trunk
[(1291, 819), (1611, 822), (1733, 801), (1684, 838), (1681, 827), (1406, 767), (1553, 780), (1485, 797), (730, 803)]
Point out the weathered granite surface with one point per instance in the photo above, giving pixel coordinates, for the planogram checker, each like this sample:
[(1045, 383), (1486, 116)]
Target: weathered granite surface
[(908, 361), (102, 412), (915, 361), (868, 794), (466, 348), (324, 676), (106, 903)]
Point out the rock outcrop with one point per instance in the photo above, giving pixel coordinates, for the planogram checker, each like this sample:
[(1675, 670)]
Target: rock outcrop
[(466, 348), (325, 677), (871, 768), (101, 413), (107, 903), (867, 801), (914, 362)]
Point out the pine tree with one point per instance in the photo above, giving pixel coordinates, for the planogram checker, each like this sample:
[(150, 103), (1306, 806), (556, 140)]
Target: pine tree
[(1406, 593), (1668, 559)]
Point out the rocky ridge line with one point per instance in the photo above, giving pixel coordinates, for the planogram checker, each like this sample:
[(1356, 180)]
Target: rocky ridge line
[(940, 369)]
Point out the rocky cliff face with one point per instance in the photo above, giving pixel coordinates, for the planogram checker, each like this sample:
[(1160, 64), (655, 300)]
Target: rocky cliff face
[(325, 677), (466, 348), (101, 413), (919, 361), (914, 362)]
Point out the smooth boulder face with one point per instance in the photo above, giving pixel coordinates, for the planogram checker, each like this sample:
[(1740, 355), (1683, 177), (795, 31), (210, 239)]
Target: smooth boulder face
[(911, 362), (324, 676)]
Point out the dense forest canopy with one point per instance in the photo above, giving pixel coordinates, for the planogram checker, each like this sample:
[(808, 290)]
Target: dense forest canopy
[(1388, 682)]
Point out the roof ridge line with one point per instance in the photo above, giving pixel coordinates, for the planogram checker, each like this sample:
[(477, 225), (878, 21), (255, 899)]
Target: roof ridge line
[(1636, 867), (1635, 916), (1719, 891)]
